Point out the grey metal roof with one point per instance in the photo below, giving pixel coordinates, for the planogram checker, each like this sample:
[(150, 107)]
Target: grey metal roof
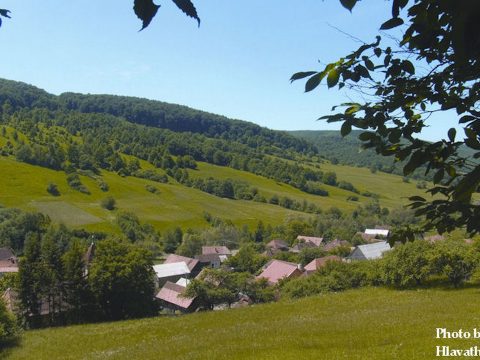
[(166, 270), (370, 251)]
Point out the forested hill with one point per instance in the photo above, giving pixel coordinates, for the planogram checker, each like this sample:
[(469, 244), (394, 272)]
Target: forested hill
[(347, 150), (152, 113)]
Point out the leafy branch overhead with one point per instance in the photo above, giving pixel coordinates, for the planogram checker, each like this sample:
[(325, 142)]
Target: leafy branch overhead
[(147, 9), (434, 67), (4, 13)]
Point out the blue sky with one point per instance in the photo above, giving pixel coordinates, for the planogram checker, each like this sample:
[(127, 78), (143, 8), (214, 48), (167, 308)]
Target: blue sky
[(237, 63)]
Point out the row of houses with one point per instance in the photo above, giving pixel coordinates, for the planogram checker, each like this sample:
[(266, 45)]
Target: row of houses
[(174, 275)]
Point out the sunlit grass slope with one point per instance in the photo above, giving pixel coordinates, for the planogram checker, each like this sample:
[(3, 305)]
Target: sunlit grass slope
[(358, 324), (23, 185)]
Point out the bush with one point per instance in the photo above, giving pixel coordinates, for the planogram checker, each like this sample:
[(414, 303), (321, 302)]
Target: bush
[(152, 189), (8, 325), (108, 203), (74, 182), (52, 189), (456, 260), (408, 264), (334, 276), (103, 186)]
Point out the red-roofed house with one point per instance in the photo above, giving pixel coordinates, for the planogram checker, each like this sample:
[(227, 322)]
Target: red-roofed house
[(316, 264), (192, 264), (276, 270), (170, 298)]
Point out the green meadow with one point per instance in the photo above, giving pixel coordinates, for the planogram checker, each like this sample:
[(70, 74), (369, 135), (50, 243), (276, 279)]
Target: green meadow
[(370, 323), (25, 186)]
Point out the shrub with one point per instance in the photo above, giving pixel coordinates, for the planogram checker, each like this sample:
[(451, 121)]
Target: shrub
[(8, 325), (52, 189), (103, 186), (454, 259), (74, 182), (408, 264), (108, 203), (152, 189)]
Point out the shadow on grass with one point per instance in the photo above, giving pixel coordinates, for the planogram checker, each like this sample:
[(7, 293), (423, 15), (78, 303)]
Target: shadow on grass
[(437, 284), (6, 347)]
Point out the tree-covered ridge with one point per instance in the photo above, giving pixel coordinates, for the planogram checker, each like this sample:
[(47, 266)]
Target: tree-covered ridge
[(93, 134), (153, 113)]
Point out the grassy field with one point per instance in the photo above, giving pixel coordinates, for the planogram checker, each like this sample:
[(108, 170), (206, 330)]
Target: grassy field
[(358, 324), (25, 186)]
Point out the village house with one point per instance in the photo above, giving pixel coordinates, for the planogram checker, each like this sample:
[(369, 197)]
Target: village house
[(370, 251), (213, 261), (316, 264), (8, 261), (316, 241), (193, 264), (275, 270), (300, 246), (171, 272), (329, 246), (384, 233), (218, 250), (274, 247), (170, 298)]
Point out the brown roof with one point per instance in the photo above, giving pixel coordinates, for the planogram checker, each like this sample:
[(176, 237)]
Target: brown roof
[(276, 270), (335, 243), (8, 261), (6, 253), (277, 244), (173, 258), (220, 250), (302, 245), (368, 238), (171, 292), (315, 264), (208, 258), (311, 239)]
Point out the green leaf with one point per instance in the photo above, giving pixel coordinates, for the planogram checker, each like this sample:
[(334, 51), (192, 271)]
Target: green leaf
[(417, 159), (352, 109), (145, 11), (416, 198), (346, 128), (314, 81), (408, 67), (188, 8), (390, 24), (301, 75), (451, 134), (438, 176), (369, 64), (465, 188), (466, 118), (366, 136), (348, 4), (377, 51), (332, 78)]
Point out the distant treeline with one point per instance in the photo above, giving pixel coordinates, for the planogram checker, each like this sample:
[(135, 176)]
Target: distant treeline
[(62, 138)]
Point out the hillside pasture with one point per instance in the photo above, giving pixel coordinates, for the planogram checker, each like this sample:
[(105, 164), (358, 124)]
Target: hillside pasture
[(370, 323)]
